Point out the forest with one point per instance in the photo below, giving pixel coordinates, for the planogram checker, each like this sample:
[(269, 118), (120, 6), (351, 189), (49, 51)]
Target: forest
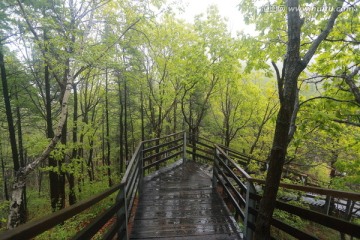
[(84, 81)]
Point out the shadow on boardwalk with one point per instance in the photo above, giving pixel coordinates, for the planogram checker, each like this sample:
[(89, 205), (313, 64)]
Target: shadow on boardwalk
[(181, 204)]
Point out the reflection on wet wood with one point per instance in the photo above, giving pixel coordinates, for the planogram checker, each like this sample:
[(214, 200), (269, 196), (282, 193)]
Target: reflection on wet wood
[(181, 204)]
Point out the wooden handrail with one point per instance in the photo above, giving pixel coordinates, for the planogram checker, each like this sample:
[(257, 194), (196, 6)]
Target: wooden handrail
[(91, 229), (200, 156), (162, 145), (154, 139), (131, 163), (31, 229), (242, 171), (322, 191), (162, 160), (226, 167), (239, 153)]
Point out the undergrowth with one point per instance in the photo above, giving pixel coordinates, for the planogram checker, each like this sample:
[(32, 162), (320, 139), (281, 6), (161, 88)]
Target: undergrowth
[(39, 206)]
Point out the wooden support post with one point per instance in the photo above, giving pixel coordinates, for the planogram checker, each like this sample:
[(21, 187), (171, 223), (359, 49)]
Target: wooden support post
[(141, 166), (327, 205), (214, 180), (122, 228), (348, 209), (249, 218), (184, 147)]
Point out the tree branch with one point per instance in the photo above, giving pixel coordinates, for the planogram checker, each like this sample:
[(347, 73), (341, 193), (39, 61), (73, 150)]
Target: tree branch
[(330, 24), (349, 79), (329, 98), (280, 82), (342, 40), (346, 122)]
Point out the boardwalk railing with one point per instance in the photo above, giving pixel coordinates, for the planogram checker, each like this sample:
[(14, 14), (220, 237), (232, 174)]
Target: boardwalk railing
[(229, 175), (149, 156), (240, 188)]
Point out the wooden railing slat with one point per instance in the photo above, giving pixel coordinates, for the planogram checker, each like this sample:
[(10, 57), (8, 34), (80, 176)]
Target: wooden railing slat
[(322, 191), (34, 228)]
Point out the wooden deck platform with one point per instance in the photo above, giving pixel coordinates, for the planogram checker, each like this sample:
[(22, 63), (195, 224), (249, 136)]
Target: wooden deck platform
[(181, 204)]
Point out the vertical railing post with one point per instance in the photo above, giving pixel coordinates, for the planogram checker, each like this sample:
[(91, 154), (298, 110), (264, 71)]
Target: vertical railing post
[(327, 205), (122, 229), (184, 147), (214, 179), (141, 166), (249, 218), (126, 213)]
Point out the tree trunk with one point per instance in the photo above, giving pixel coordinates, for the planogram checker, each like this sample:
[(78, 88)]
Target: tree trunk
[(20, 136), (121, 126), (287, 87), (126, 121), (287, 94), (108, 147), (24, 211), (175, 117), (90, 163), (9, 115), (142, 116), (61, 174), (269, 112), (20, 180), (6, 192), (21, 207), (70, 176), (53, 176)]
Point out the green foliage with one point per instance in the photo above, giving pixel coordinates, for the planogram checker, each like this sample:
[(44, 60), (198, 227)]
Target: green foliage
[(4, 206), (34, 144), (73, 225), (320, 172), (171, 71)]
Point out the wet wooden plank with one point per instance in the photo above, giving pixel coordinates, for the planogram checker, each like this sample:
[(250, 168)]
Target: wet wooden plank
[(181, 204)]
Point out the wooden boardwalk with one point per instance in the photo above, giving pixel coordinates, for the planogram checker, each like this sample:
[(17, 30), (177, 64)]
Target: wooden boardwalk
[(181, 204)]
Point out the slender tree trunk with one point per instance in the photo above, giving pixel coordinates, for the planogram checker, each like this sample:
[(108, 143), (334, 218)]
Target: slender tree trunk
[(85, 120), (21, 214), (132, 132), (6, 192), (121, 126), (53, 176), (90, 163), (269, 112), (9, 115), (40, 174), (20, 136), (70, 175), (175, 117), (24, 210), (125, 120), (108, 147), (142, 116), (61, 174)]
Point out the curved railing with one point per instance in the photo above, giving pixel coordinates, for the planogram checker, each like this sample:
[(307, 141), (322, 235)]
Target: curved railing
[(240, 189), (149, 155)]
